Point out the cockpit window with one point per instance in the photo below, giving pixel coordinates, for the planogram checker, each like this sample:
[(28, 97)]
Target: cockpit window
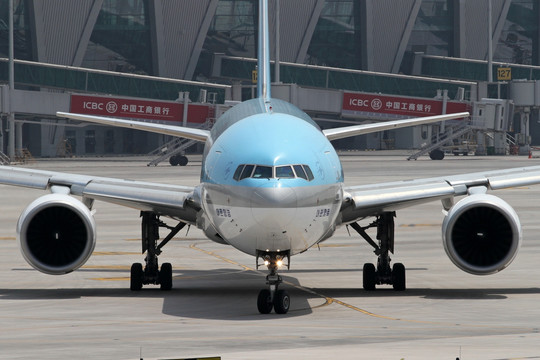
[(284, 172), (299, 170), (248, 169), (309, 173), (237, 173), (244, 171), (263, 172)]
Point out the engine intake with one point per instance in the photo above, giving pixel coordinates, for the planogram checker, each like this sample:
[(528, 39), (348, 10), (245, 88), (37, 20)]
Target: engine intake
[(56, 234), (481, 234)]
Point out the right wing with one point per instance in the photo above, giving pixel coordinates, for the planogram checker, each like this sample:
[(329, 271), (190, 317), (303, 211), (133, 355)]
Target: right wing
[(169, 200), (369, 200), (348, 131), (178, 131)]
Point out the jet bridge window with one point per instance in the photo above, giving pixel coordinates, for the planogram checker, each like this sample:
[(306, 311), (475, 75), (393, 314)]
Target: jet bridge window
[(266, 172)]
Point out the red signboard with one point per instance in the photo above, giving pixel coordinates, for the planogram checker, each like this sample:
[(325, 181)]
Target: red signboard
[(137, 108), (358, 103)]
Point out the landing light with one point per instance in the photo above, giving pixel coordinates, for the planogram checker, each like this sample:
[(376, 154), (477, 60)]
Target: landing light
[(279, 263)]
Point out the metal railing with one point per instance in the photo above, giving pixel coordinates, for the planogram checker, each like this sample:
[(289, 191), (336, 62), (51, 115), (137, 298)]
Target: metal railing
[(4, 159), (175, 146), (439, 140), (70, 78), (344, 79)]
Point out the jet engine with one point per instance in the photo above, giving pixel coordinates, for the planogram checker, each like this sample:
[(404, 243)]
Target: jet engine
[(56, 234), (481, 234)]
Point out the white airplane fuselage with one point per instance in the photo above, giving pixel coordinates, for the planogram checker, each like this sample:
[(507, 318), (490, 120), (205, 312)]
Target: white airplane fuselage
[(270, 181)]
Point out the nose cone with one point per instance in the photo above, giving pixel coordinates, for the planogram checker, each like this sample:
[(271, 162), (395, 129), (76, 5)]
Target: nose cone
[(274, 207)]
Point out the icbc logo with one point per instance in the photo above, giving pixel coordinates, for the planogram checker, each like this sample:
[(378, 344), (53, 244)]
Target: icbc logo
[(376, 104), (111, 107)]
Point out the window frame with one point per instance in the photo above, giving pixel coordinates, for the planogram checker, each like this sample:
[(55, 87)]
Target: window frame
[(245, 171)]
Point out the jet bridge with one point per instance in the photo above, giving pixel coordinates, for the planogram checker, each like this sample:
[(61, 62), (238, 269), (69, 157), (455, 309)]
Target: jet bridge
[(44, 134), (49, 136), (330, 107)]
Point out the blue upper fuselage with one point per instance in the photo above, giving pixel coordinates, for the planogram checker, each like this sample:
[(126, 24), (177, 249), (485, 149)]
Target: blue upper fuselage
[(248, 134)]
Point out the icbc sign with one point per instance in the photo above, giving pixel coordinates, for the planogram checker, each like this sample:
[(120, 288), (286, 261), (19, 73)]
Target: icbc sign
[(136, 108), (358, 103)]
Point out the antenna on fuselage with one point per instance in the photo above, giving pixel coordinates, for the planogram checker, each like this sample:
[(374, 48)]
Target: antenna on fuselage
[(263, 55)]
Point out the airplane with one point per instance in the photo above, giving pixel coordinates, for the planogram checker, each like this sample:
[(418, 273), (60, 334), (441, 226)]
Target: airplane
[(271, 186)]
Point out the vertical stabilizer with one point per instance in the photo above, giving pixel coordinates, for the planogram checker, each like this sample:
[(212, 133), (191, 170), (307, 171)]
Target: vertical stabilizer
[(263, 53)]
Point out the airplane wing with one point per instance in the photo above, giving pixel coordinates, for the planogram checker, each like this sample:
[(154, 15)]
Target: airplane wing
[(348, 131), (178, 131), (168, 200), (368, 200)]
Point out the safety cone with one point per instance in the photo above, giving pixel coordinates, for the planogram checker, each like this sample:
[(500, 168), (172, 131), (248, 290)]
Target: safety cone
[(530, 154)]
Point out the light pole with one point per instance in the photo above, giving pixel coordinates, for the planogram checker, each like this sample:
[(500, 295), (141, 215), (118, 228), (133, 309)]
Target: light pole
[(277, 75), (11, 117), (490, 46)]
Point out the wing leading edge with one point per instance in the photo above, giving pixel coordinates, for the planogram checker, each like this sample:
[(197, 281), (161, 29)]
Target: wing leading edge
[(368, 200), (168, 200), (348, 131), (173, 130)]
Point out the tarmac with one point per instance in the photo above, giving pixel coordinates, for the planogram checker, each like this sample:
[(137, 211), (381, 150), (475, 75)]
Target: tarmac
[(211, 311)]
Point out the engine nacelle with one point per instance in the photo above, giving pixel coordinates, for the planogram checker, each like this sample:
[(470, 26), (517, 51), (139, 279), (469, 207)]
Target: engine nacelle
[(56, 234), (481, 234)]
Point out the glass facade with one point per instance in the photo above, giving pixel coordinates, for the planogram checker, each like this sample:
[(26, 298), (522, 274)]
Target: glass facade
[(120, 40), (336, 40), (433, 32), (518, 43), (233, 32), (22, 34)]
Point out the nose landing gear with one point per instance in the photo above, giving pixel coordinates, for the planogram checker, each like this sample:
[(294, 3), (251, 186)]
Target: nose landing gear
[(272, 297)]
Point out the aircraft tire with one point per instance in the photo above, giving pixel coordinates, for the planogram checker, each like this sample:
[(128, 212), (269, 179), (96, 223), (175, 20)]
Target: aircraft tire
[(398, 277), (182, 160), (282, 302), (436, 154), (264, 302), (137, 276), (165, 277), (369, 277)]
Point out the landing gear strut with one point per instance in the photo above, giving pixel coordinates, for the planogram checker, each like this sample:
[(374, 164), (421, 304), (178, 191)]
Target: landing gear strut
[(273, 297), (383, 273), (151, 273)]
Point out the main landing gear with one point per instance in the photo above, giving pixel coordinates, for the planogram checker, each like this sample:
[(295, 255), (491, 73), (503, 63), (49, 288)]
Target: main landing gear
[(272, 297), (383, 273), (151, 273)]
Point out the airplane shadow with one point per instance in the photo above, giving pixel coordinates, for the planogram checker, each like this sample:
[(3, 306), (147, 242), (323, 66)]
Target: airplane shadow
[(213, 294), (222, 294), (429, 293)]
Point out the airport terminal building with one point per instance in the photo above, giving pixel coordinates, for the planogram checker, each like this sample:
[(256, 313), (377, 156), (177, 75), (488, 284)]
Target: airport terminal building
[(409, 48)]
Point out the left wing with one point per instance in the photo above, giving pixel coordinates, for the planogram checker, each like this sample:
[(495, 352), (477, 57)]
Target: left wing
[(368, 200), (348, 131), (168, 200), (178, 131)]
